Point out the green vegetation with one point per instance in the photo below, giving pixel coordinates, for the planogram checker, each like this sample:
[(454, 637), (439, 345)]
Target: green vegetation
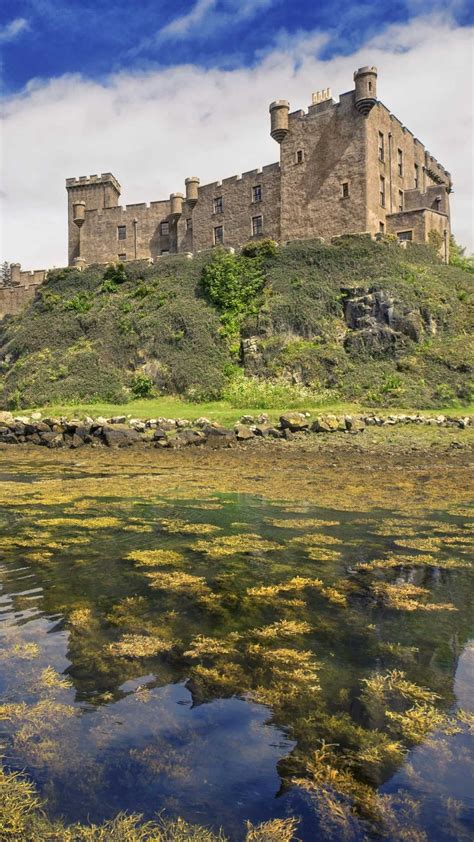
[(22, 818), (266, 328)]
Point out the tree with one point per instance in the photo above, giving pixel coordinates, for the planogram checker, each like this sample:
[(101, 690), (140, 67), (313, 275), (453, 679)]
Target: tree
[(458, 258), (5, 274)]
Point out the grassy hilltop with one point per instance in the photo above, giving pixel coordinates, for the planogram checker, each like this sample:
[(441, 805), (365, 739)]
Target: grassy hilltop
[(356, 321)]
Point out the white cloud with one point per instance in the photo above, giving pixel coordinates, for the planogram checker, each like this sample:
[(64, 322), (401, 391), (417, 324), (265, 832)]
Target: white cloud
[(12, 29), (182, 25), (205, 17), (153, 129)]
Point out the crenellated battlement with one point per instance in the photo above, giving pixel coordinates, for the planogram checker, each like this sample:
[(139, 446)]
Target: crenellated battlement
[(93, 181)]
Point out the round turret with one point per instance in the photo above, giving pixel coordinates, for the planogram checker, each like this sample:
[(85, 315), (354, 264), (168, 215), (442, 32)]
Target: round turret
[(365, 89), (176, 204), (79, 213), (279, 119), (192, 190)]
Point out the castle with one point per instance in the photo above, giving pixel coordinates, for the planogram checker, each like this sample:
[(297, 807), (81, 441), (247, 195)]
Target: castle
[(345, 167)]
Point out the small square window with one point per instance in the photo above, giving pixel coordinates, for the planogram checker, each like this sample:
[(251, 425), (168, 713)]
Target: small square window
[(257, 225), (382, 191), (257, 193), (218, 235), (164, 251), (122, 256), (405, 235), (345, 190), (164, 229), (400, 201), (381, 228), (219, 205), (299, 156), (121, 232), (189, 224), (400, 162)]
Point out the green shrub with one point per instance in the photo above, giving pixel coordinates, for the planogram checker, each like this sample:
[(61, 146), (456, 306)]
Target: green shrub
[(81, 303), (244, 391), (142, 386), (234, 284), (260, 248)]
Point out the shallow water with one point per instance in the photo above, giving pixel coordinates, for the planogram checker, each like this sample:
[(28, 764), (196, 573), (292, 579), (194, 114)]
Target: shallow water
[(227, 655)]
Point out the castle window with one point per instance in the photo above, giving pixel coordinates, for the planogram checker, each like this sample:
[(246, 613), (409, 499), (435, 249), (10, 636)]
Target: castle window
[(400, 200), (381, 228), (345, 190), (400, 162), (405, 235), (257, 193), (257, 225), (219, 205), (382, 191), (218, 235), (122, 256), (189, 224), (381, 147), (121, 232), (299, 156), (164, 229), (417, 176)]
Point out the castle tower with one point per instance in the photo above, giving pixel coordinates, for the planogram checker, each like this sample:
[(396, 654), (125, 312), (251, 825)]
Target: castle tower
[(192, 190), (279, 119), (93, 192), (365, 89)]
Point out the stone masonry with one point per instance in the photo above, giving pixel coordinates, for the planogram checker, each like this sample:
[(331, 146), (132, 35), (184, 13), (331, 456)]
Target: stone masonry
[(345, 167)]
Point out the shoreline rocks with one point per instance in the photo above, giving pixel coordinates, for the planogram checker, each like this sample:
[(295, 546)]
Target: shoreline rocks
[(121, 431)]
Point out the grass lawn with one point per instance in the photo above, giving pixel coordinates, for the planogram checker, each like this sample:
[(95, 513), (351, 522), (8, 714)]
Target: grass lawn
[(225, 413)]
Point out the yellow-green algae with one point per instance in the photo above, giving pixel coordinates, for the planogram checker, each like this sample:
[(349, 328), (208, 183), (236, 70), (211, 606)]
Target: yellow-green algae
[(338, 761)]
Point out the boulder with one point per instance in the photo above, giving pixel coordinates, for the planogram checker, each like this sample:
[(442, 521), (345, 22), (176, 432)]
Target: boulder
[(7, 437), (56, 441), (218, 436), (159, 435), (5, 417), (243, 432), (262, 430), (354, 424), (275, 433), (326, 424), (190, 437), (118, 419), (166, 423), (123, 437), (294, 421), (47, 437)]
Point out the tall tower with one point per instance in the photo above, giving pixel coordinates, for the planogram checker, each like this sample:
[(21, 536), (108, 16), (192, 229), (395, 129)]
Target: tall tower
[(93, 192), (365, 89)]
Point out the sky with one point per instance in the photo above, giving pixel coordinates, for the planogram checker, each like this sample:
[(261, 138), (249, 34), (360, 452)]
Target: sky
[(155, 91)]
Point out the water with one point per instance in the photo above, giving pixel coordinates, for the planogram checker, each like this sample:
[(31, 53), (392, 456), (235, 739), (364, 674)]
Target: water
[(173, 643)]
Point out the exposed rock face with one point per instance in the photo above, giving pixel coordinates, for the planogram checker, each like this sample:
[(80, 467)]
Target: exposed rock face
[(378, 324)]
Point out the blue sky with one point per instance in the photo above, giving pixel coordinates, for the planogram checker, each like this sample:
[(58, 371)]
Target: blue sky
[(156, 91), (47, 38)]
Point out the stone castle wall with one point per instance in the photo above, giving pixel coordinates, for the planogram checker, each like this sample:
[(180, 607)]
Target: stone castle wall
[(239, 208), (330, 141), (13, 299)]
